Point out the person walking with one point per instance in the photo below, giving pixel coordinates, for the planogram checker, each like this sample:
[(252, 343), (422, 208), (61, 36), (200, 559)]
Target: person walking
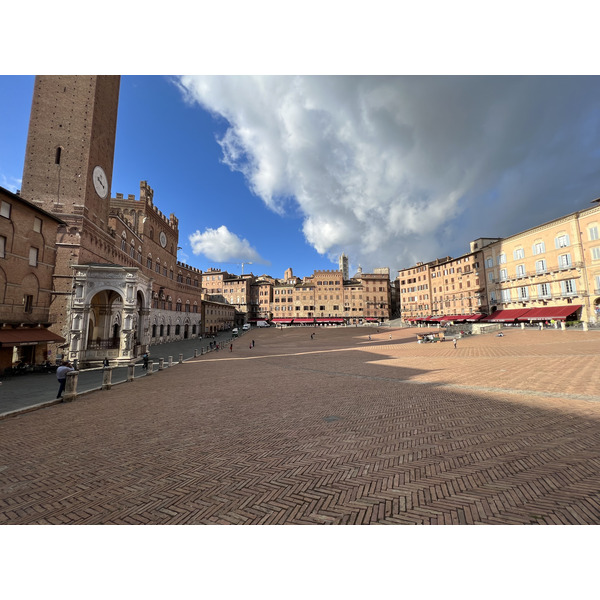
[(61, 375), (454, 342), (230, 347), (145, 361), (253, 343), (105, 363)]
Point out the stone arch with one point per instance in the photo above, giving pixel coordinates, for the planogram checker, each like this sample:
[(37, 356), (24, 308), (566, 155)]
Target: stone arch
[(104, 325)]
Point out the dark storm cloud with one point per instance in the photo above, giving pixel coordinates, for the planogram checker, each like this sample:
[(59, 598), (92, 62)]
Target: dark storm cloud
[(392, 170)]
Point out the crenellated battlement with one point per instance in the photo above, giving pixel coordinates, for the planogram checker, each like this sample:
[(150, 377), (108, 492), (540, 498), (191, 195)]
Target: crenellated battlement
[(188, 267), (147, 200)]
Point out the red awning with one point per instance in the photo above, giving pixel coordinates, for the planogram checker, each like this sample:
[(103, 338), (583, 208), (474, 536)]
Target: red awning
[(303, 320), (16, 337), (504, 316), (281, 320), (474, 317), (547, 313), (329, 319)]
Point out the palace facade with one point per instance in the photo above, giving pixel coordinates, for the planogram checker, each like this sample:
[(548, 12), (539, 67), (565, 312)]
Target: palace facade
[(550, 272)]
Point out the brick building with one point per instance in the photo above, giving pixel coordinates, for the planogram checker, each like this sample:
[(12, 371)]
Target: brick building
[(327, 298), (27, 258)]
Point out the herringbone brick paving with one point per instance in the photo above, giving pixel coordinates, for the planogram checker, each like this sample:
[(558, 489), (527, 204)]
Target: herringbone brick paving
[(335, 430)]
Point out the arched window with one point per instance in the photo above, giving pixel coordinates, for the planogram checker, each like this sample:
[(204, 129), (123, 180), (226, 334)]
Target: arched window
[(154, 330)]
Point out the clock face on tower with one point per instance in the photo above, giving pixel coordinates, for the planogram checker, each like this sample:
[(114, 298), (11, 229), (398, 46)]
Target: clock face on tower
[(163, 239), (100, 182)]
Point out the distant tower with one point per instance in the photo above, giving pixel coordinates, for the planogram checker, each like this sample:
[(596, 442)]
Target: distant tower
[(289, 274), (344, 266)]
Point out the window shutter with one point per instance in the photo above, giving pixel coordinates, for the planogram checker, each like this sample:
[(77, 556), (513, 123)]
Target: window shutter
[(568, 240), (533, 250)]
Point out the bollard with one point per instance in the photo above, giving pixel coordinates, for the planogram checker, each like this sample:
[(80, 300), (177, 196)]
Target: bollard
[(150, 369), (170, 361), (201, 351), (161, 364), (71, 386), (522, 325), (180, 358), (585, 325), (130, 371), (195, 352), (107, 378), (563, 326)]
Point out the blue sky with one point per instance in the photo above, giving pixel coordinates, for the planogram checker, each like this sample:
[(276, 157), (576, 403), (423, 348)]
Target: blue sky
[(291, 171)]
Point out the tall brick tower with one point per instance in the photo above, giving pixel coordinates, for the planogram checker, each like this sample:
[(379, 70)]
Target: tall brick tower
[(70, 146), (68, 170)]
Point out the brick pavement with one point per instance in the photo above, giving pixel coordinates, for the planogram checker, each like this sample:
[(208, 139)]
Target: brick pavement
[(335, 430)]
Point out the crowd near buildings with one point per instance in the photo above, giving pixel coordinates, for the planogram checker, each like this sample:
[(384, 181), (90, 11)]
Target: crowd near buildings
[(86, 275)]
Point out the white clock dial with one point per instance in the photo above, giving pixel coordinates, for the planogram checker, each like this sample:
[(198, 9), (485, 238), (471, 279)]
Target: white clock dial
[(100, 182), (163, 239)]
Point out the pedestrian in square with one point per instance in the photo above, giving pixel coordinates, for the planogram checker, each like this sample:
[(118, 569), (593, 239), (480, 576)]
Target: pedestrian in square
[(105, 363), (145, 361), (61, 375), (253, 343), (454, 342)]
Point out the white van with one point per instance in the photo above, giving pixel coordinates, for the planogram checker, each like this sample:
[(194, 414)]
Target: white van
[(246, 326), (234, 331)]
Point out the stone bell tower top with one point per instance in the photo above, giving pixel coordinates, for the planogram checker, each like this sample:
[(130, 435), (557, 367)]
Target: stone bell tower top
[(70, 146)]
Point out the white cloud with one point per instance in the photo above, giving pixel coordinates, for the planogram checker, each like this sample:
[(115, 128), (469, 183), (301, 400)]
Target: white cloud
[(221, 245), (391, 170), (10, 183)]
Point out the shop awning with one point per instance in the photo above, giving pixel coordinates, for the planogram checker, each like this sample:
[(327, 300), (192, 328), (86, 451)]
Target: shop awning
[(24, 337), (472, 318), (303, 320), (329, 320), (505, 316), (548, 313), (281, 320)]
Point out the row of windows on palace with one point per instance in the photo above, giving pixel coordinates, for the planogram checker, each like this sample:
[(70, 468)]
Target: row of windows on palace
[(568, 288), (160, 330)]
